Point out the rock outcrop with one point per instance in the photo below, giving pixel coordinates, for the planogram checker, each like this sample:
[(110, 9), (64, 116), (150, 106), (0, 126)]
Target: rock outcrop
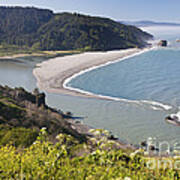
[(163, 43), (21, 96)]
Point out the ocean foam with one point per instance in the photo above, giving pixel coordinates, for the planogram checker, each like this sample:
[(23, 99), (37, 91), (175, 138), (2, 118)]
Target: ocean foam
[(177, 115), (157, 104)]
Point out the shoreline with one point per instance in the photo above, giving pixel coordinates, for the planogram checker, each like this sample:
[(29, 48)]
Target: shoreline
[(61, 76), (51, 54), (19, 56), (66, 81), (64, 69)]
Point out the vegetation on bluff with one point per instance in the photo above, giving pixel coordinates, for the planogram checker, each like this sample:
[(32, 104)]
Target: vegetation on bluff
[(38, 29), (38, 142), (69, 160), (21, 111)]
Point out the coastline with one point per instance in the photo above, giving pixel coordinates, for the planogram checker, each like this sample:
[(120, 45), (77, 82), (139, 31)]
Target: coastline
[(52, 77), (125, 56), (19, 56), (63, 69)]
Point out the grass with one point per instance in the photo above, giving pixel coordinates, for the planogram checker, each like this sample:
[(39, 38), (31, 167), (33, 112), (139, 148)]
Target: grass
[(15, 51)]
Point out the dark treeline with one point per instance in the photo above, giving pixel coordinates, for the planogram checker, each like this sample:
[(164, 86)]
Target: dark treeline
[(41, 29)]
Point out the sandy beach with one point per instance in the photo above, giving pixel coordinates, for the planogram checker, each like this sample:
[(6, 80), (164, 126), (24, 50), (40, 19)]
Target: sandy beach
[(52, 74)]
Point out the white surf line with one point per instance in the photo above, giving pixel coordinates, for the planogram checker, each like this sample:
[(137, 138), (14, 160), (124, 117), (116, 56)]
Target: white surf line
[(153, 104), (156, 105)]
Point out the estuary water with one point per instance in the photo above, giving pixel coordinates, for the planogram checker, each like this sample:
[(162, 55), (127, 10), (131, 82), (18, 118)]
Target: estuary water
[(144, 89)]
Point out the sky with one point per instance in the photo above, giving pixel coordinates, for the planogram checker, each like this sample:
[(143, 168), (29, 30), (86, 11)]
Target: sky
[(156, 10)]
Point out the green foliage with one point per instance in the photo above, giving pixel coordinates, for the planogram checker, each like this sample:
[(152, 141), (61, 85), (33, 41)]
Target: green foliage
[(36, 29), (44, 160), (19, 24), (19, 108), (9, 110), (19, 137), (11, 49), (75, 31)]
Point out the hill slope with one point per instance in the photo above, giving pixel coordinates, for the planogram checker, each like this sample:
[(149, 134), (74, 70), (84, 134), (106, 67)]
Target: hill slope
[(26, 152), (18, 24), (42, 29), (21, 111)]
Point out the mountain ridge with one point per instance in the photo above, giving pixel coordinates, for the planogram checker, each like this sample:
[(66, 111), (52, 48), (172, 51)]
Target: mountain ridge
[(42, 29)]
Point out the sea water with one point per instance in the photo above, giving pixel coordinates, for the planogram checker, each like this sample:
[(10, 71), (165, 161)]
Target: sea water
[(152, 76)]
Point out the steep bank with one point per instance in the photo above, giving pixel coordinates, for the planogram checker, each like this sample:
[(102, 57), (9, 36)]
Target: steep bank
[(24, 114), (20, 108)]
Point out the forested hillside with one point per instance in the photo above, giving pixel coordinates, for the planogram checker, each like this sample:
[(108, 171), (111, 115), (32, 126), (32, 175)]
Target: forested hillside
[(18, 25), (41, 29)]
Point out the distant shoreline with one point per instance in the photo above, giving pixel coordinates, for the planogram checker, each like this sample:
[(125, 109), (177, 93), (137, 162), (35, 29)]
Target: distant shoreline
[(18, 56), (51, 54), (54, 74)]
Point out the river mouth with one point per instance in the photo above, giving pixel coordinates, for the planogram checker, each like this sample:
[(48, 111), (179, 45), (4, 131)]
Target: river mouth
[(132, 122), (119, 117)]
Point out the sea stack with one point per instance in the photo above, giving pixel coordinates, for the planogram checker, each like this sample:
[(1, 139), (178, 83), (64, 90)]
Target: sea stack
[(163, 43)]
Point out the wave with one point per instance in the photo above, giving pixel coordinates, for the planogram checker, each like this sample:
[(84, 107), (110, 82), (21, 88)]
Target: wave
[(157, 104), (153, 104)]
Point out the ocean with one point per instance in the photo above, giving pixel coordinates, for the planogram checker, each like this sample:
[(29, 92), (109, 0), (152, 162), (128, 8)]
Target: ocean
[(151, 76), (142, 91)]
